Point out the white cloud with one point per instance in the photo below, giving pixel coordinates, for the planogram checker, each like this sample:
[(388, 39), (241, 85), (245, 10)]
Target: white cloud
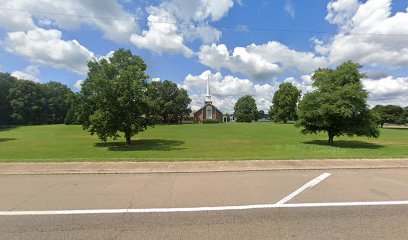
[(29, 73), (163, 36), (78, 85), (156, 80), (198, 10), (106, 15), (374, 38), (175, 22), (260, 61), (289, 8), (341, 11), (304, 84), (388, 90), (47, 47)]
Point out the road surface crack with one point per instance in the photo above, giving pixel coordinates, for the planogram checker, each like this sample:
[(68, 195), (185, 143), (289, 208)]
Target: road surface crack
[(33, 196)]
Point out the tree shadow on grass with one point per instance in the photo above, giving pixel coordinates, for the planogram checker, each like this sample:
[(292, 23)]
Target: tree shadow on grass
[(346, 144), (143, 145), (6, 139), (4, 128), (397, 128)]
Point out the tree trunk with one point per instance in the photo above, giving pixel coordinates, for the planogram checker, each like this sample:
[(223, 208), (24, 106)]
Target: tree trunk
[(331, 137), (128, 137)]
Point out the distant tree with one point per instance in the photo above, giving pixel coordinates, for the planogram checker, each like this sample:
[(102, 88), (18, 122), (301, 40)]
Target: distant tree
[(6, 82), (170, 102), (73, 114), (28, 102), (245, 109), (338, 105), (261, 114), (390, 114), (114, 97), (58, 96), (284, 103), (406, 112)]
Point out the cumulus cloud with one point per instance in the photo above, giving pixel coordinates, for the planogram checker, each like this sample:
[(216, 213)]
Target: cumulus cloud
[(174, 22), (106, 15), (388, 90), (368, 33), (163, 34), (304, 83), (260, 61), (29, 73), (47, 47)]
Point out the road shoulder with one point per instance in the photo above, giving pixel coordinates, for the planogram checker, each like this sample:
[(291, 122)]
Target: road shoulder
[(199, 166)]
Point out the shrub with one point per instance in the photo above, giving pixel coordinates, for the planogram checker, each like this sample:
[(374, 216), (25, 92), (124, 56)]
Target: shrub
[(209, 121)]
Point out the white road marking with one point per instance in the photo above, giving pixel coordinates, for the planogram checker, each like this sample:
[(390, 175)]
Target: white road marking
[(310, 184), (343, 204), (281, 204), (200, 209)]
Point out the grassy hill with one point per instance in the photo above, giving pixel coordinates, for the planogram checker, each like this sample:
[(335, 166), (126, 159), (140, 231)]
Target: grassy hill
[(230, 141)]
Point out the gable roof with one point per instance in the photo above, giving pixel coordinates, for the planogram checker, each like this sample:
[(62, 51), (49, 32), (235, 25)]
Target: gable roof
[(206, 106)]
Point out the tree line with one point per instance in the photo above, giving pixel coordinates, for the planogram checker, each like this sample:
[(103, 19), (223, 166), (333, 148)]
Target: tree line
[(24, 102)]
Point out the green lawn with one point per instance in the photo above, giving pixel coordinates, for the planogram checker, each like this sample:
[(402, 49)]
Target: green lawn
[(230, 141)]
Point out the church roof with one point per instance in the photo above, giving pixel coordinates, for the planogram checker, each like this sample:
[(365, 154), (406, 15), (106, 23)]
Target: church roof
[(206, 106)]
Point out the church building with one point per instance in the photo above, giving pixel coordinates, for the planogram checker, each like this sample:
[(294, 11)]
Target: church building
[(208, 111)]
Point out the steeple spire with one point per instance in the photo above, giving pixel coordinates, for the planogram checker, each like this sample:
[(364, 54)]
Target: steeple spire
[(208, 96)]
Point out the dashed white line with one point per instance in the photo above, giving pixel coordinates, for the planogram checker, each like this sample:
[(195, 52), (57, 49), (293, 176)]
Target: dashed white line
[(310, 184)]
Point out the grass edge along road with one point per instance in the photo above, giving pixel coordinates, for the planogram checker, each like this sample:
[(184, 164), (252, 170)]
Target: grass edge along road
[(232, 141)]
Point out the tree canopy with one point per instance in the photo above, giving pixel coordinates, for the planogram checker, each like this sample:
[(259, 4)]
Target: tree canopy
[(6, 82), (338, 105), (114, 97), (170, 102), (245, 109), (24, 102), (284, 103), (390, 114)]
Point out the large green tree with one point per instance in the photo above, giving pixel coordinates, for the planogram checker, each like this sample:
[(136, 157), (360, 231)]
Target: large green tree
[(114, 97), (245, 109), (390, 114), (170, 102), (338, 105), (284, 103)]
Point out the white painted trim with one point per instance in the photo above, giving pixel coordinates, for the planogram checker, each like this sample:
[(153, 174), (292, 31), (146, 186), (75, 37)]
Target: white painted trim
[(200, 209), (310, 184)]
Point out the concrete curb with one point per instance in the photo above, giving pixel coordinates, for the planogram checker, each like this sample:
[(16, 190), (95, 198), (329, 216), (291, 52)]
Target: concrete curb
[(196, 167)]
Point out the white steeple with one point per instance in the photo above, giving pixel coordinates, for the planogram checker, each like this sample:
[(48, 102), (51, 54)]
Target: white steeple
[(208, 96)]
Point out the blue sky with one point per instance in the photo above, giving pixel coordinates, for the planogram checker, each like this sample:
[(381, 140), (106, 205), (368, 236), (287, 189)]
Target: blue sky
[(244, 47)]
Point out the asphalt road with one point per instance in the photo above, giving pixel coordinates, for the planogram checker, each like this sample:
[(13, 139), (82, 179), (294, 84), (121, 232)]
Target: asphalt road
[(191, 190)]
